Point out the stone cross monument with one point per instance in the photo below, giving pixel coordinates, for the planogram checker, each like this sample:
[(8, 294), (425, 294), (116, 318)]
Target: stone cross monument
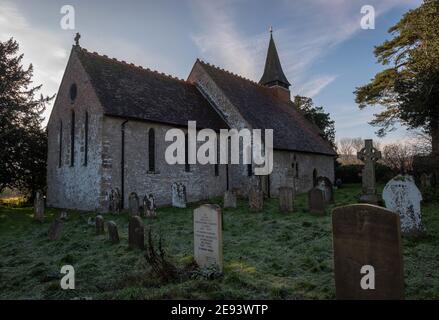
[(369, 155)]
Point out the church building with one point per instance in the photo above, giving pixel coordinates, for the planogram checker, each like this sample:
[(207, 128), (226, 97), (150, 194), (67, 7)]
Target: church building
[(108, 124)]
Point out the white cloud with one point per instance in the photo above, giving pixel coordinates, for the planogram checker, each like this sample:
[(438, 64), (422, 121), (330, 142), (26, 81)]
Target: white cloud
[(315, 85)]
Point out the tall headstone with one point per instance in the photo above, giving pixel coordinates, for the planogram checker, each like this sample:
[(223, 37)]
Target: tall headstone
[(99, 223), (368, 259), (55, 229), (117, 201), (256, 200), (113, 233), (133, 204), (286, 199), (316, 202), (39, 206), (324, 184), (403, 197), (426, 180), (178, 195), (136, 233), (369, 155), (229, 199), (208, 238), (149, 206)]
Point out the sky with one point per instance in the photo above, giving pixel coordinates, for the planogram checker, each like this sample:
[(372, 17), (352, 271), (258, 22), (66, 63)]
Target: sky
[(324, 51)]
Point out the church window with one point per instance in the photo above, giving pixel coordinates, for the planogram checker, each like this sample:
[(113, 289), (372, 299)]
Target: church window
[(314, 177), (73, 92), (217, 159), (72, 139), (151, 150), (249, 170), (187, 166), (60, 145), (86, 139)]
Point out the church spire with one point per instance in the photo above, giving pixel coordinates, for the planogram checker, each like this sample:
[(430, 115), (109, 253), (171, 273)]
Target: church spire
[(273, 73)]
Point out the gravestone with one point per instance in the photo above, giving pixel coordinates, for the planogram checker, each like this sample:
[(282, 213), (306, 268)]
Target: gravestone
[(136, 233), (178, 195), (286, 199), (256, 200), (39, 206), (316, 202), (117, 201), (113, 234), (238, 193), (426, 180), (99, 223), (229, 199), (208, 239), (56, 229), (369, 155), (368, 261), (324, 184), (403, 197), (133, 204), (149, 207), (63, 216)]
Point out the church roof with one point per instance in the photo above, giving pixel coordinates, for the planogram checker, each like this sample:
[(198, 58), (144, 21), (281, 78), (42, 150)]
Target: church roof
[(262, 110), (273, 73), (129, 91)]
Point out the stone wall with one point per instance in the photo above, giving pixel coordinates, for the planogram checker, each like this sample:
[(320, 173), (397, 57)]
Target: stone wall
[(76, 186)]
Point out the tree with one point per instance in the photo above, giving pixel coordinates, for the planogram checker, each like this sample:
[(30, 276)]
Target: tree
[(399, 157), (318, 117), (409, 87), (23, 140)]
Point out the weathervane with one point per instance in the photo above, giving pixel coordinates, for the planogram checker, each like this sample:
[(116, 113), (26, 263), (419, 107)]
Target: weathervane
[(271, 29), (77, 37)]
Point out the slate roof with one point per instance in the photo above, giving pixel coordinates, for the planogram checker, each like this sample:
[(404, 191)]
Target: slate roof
[(262, 110), (273, 73), (129, 91)]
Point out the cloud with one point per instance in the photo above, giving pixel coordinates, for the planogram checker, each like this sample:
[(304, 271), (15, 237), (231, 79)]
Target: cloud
[(40, 47), (315, 85)]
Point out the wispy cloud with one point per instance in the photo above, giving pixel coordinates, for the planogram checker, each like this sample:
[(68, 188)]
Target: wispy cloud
[(315, 85)]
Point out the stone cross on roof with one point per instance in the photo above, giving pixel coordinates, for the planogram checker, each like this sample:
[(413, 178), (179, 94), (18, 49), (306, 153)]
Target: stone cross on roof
[(77, 37), (369, 155)]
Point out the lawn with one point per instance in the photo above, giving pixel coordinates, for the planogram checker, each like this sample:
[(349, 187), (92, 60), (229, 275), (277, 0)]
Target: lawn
[(267, 255)]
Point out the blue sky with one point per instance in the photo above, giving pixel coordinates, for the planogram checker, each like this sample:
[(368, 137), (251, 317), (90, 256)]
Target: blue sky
[(324, 52)]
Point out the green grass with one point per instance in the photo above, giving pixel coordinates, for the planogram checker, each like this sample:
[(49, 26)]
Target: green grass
[(267, 255)]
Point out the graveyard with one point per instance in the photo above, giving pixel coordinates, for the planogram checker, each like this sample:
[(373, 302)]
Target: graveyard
[(266, 255)]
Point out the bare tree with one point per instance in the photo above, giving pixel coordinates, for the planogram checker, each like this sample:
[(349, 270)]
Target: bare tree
[(345, 147), (399, 157)]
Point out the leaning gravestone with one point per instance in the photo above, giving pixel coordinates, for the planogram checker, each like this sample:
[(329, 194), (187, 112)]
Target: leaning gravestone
[(136, 233), (403, 197), (99, 223), (133, 204), (113, 234), (229, 199), (39, 206), (208, 239), (149, 207), (316, 202), (369, 155), (56, 229), (178, 195), (256, 200), (368, 260), (286, 199), (324, 184)]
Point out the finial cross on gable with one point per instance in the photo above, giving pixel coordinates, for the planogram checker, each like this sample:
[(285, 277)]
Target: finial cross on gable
[(369, 153), (77, 37)]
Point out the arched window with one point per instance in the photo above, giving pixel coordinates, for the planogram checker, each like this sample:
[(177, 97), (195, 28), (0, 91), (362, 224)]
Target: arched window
[(72, 139), (86, 139), (60, 145), (187, 167), (249, 170), (217, 158), (151, 150), (314, 177), (73, 92)]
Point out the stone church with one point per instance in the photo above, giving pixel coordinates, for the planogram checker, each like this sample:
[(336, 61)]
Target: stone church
[(108, 124)]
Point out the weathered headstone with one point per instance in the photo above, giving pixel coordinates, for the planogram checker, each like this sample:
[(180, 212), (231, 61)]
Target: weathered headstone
[(39, 206), (63, 216), (133, 204), (149, 207), (403, 197), (136, 233), (367, 253), (229, 199), (99, 223), (426, 180), (238, 193), (324, 184), (286, 199), (369, 155), (256, 200), (117, 201), (208, 239), (178, 195), (113, 234), (316, 202), (55, 229)]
